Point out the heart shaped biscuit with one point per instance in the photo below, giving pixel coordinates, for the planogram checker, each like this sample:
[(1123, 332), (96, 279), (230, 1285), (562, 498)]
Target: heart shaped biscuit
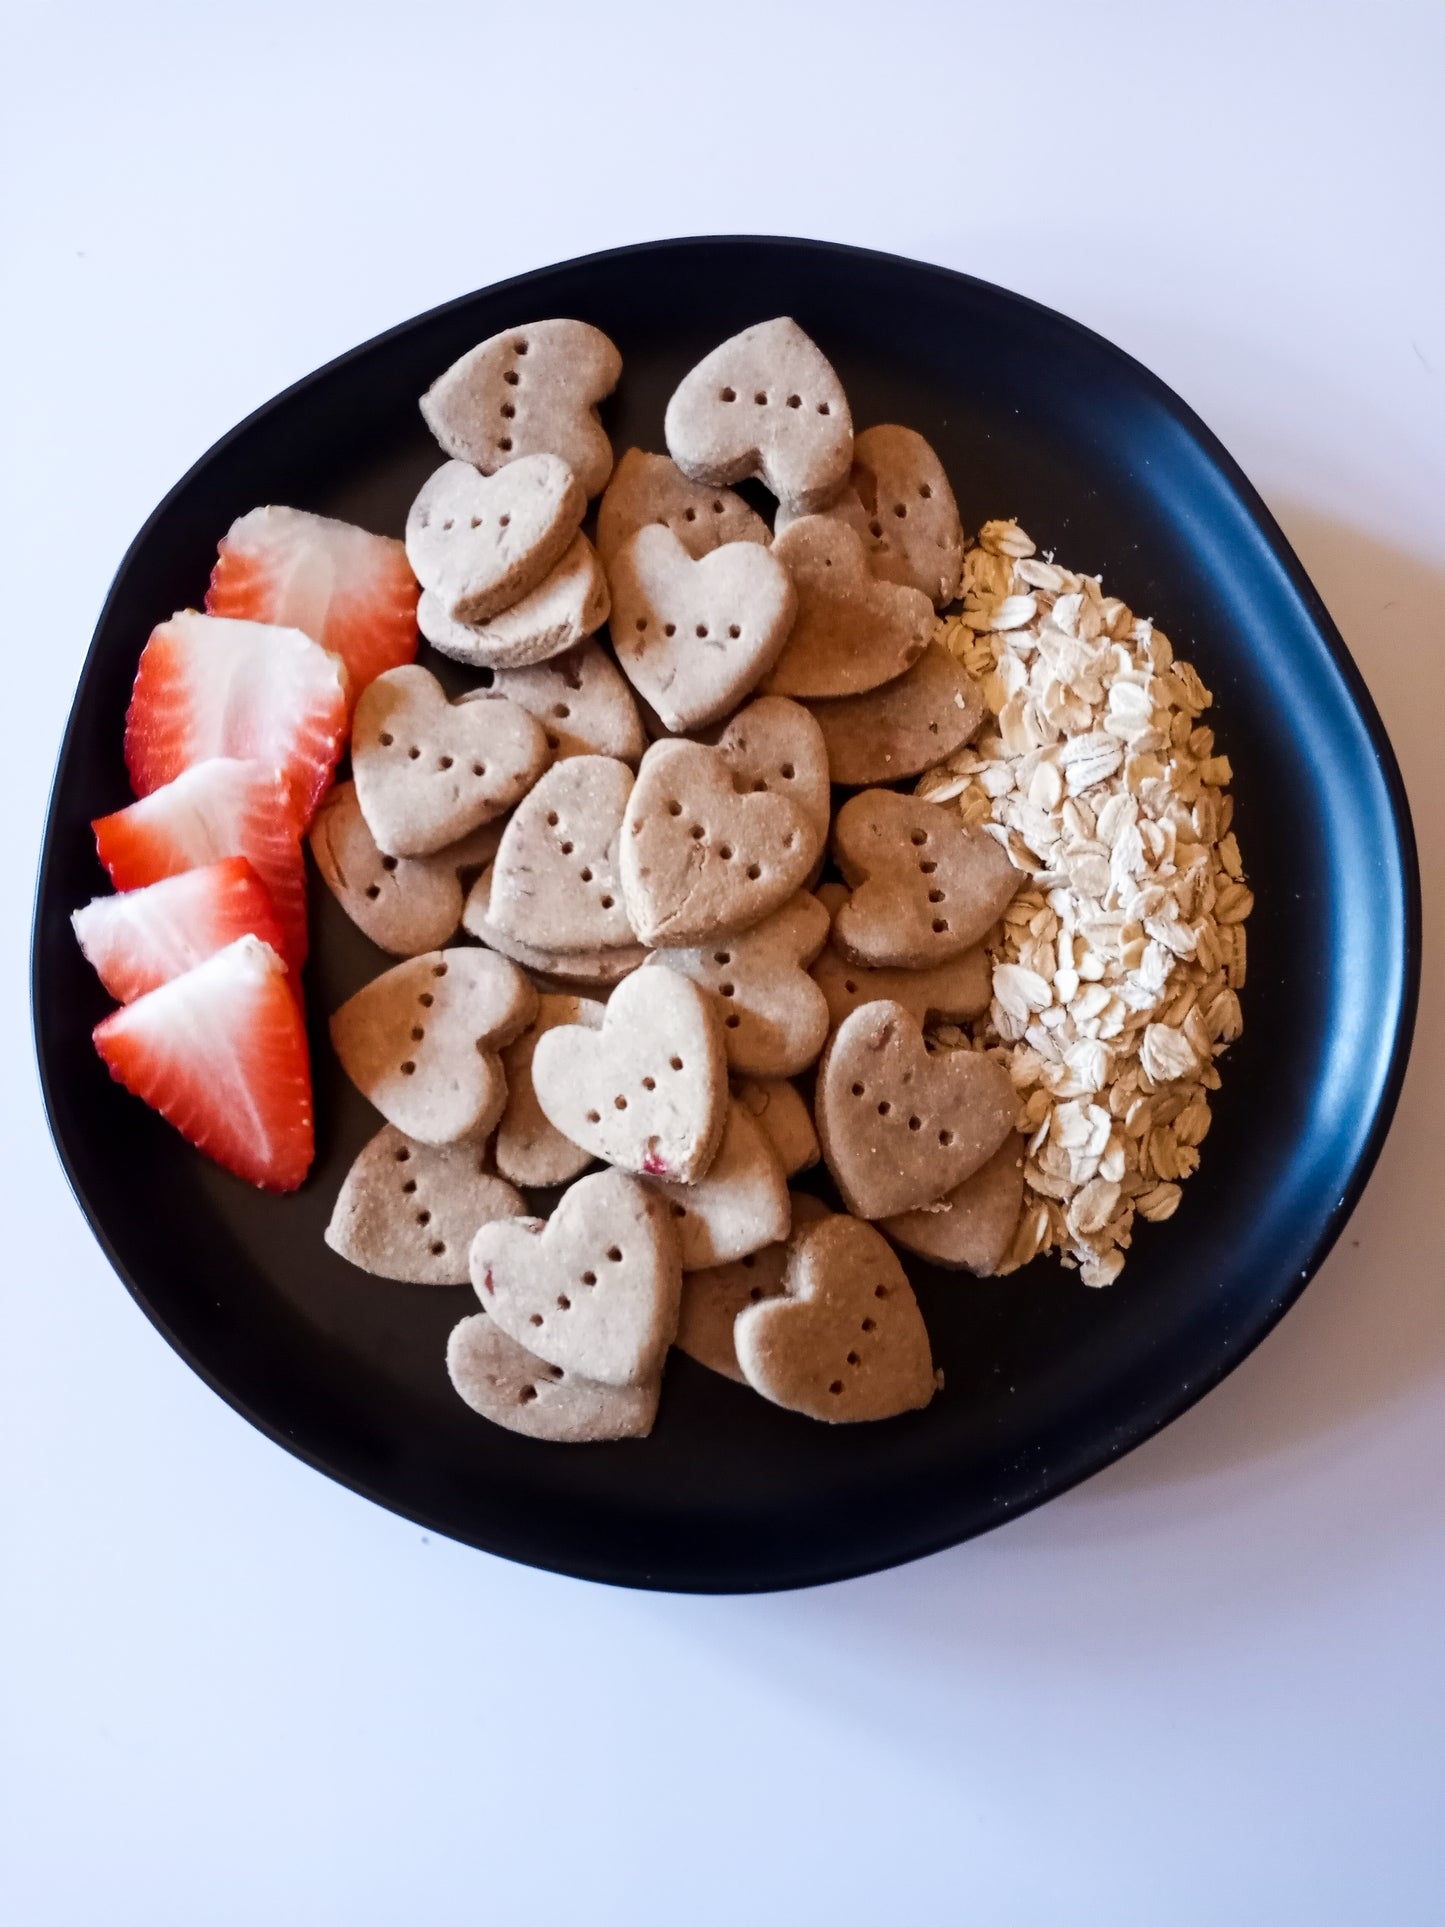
[(739, 1206), (775, 745), (479, 543), (409, 1211), (777, 1108), (404, 904), (695, 637), (972, 1226), (528, 1149), (471, 853), (899, 501), (926, 886), (420, 1041), (852, 632), (648, 489), (567, 605), (504, 1382), (567, 970), (711, 1300), (765, 403), (907, 726), (528, 391), (648, 1092), (428, 771), (699, 859), (774, 1017), (584, 706), (556, 883), (900, 1128), (945, 993), (594, 1289), (845, 1340)]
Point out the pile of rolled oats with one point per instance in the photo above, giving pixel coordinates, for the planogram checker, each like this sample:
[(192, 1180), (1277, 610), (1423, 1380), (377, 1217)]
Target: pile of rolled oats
[(1117, 970)]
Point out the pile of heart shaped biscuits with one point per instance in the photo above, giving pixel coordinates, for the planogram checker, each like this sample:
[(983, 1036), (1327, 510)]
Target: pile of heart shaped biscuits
[(709, 933)]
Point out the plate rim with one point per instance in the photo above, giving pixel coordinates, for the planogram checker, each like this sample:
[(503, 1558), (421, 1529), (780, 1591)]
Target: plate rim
[(1403, 839)]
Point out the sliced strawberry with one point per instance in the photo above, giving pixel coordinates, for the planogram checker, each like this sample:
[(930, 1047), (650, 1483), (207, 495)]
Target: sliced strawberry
[(144, 937), (218, 809), (351, 591), (221, 1053), (207, 686)]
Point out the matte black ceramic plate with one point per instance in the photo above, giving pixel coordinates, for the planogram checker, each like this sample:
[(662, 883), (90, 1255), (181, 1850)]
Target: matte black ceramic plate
[(1046, 1381)]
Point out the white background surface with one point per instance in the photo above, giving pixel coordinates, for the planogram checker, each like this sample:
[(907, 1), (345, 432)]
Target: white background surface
[(1206, 1687)]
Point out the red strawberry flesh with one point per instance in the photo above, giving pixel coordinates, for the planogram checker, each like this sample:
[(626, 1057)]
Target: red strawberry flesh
[(349, 590), (221, 808), (221, 1053), (139, 939), (208, 686)]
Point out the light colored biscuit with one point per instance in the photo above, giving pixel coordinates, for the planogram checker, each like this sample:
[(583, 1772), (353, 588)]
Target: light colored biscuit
[(472, 852), (568, 604), (852, 632), (711, 1300), (528, 391), (740, 1205), (778, 1108), (409, 1211), (945, 993), (899, 501), (556, 884), (774, 1017), (420, 1042), (926, 886), (775, 745), (404, 904), (581, 700), (699, 858), (694, 637), (648, 489), (504, 1382), (479, 543), (971, 1227), (429, 771), (552, 969), (648, 1092), (900, 1128), (528, 1149), (845, 1340), (594, 1288), (767, 403), (904, 728)]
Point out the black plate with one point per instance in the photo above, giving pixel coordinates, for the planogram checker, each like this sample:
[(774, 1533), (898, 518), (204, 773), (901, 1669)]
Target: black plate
[(1046, 1381)]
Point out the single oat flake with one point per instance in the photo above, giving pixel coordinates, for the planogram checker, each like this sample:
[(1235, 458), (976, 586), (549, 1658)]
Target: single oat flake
[(1117, 968)]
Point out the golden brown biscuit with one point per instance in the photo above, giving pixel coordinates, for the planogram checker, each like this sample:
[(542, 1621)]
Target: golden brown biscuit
[(926, 886), (845, 1340), (900, 1128)]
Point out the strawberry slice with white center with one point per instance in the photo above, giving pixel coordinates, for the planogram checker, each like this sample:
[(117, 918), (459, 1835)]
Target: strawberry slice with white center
[(351, 591), (207, 686), (221, 1053), (218, 809), (143, 938)]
